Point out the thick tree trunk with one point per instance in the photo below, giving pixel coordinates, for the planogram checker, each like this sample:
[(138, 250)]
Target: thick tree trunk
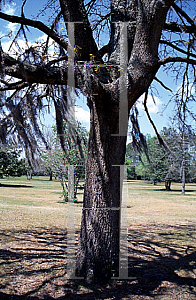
[(98, 252)]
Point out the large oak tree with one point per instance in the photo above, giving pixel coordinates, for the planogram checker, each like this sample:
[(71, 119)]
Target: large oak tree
[(102, 74)]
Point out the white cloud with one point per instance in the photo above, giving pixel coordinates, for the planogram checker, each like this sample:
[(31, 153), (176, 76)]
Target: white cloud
[(12, 27), (42, 38), (6, 46), (153, 103), (53, 48), (83, 116), (9, 9), (37, 43), (5, 113), (129, 139)]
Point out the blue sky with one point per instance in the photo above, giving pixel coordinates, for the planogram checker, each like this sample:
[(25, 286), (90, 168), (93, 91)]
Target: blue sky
[(159, 117)]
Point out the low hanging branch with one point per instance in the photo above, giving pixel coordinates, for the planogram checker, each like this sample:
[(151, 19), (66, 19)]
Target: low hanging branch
[(33, 73), (14, 86), (170, 59), (184, 15), (162, 84), (36, 24), (139, 140), (160, 139), (175, 27), (176, 48), (59, 123)]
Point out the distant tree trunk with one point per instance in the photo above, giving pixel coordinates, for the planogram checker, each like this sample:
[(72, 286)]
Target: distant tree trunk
[(77, 177), (183, 150), (65, 188), (51, 176), (98, 252), (183, 167), (29, 175), (168, 185)]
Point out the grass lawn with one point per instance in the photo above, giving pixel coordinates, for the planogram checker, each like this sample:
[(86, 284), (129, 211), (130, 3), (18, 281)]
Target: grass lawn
[(161, 243), (32, 204)]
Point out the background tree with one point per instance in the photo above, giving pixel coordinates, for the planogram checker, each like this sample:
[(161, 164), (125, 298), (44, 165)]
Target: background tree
[(184, 99), (56, 161), (100, 72), (163, 165), (11, 164), (192, 152), (131, 159)]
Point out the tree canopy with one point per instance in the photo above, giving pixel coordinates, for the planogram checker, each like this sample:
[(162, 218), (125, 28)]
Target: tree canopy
[(36, 71)]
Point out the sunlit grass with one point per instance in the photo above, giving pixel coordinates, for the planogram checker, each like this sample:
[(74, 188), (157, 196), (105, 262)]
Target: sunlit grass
[(31, 203), (39, 203), (151, 204)]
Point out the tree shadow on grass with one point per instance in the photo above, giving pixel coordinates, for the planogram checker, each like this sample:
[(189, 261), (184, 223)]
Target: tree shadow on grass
[(75, 201), (162, 258), (163, 253), (174, 191), (15, 185)]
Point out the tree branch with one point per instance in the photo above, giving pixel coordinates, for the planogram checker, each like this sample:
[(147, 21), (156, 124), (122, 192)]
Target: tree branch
[(33, 73), (36, 24), (183, 14), (160, 139), (143, 61), (175, 27), (14, 86), (176, 48), (54, 61), (170, 59), (162, 84), (105, 49), (53, 27), (74, 11)]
